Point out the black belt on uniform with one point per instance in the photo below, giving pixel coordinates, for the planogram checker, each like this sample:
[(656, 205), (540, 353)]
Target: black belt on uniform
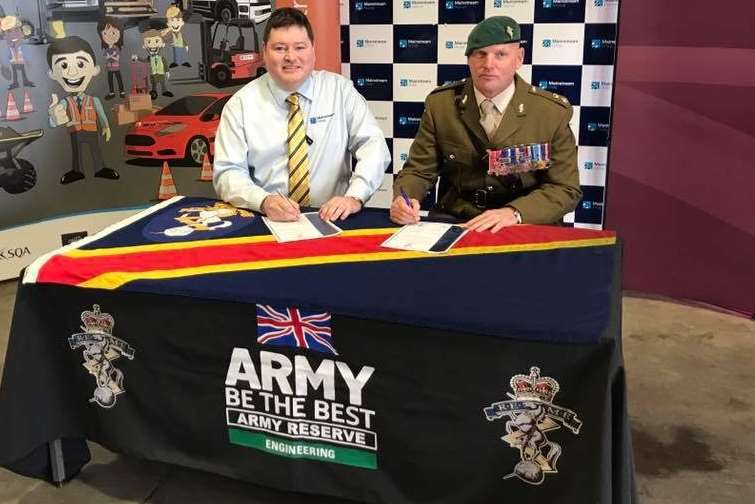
[(486, 198)]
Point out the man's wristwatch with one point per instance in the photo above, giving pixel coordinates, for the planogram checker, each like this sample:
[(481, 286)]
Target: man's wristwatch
[(361, 203)]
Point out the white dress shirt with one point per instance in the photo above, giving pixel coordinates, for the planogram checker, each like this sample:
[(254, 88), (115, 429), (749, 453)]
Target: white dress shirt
[(251, 154)]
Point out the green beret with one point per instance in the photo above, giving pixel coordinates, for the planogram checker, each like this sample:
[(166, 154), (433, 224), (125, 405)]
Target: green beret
[(493, 30)]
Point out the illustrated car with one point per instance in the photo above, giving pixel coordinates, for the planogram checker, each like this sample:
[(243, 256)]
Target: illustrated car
[(183, 129)]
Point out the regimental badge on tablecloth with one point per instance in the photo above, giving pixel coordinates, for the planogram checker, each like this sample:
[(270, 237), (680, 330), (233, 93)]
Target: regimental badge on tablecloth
[(519, 159), (101, 348), (531, 414), (203, 220), (284, 326)]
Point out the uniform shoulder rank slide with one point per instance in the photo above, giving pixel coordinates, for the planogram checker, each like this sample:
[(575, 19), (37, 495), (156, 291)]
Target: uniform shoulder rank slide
[(554, 97), (519, 159), (448, 85)]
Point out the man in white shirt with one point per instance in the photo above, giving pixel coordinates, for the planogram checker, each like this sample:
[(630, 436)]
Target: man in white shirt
[(286, 139)]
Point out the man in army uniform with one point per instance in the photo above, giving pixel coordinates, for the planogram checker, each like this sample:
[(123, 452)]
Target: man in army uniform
[(494, 109)]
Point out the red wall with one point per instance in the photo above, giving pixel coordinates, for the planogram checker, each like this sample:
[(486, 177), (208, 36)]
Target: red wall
[(681, 184)]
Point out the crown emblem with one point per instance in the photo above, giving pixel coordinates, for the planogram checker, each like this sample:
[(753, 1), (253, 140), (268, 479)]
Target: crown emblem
[(97, 322), (534, 387)]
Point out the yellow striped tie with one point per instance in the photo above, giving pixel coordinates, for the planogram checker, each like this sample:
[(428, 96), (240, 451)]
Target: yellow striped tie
[(298, 160)]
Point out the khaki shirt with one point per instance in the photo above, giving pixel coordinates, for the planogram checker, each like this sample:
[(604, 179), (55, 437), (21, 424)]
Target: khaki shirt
[(451, 144)]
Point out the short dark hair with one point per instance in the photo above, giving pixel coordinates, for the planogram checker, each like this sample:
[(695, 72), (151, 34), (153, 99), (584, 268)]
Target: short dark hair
[(287, 16), (67, 45), (110, 21)]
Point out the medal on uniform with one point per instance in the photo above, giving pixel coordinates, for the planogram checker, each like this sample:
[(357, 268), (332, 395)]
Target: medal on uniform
[(519, 159)]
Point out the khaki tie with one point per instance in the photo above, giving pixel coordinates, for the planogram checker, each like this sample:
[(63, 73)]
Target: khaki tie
[(298, 160), (490, 118)]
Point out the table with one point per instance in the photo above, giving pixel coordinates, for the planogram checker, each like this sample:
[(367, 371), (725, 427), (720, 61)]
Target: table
[(337, 367)]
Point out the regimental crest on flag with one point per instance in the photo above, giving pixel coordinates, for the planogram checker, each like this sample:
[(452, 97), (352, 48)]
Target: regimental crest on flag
[(531, 414), (101, 348), (292, 327), (204, 219)]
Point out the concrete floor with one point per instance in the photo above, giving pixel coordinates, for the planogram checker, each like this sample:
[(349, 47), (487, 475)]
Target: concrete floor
[(691, 379)]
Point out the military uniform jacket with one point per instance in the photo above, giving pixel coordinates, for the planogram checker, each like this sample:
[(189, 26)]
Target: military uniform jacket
[(451, 144)]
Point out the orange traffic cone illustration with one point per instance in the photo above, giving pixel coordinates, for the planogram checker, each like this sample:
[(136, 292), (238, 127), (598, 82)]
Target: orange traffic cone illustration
[(206, 174), (167, 186), (12, 113), (27, 107)]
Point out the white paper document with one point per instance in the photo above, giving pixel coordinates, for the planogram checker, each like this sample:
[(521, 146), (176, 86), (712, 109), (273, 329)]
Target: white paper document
[(308, 227), (426, 237)]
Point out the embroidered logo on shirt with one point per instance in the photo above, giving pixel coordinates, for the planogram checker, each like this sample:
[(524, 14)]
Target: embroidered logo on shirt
[(322, 118)]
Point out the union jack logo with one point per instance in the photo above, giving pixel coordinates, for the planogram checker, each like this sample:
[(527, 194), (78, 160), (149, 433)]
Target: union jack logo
[(295, 328)]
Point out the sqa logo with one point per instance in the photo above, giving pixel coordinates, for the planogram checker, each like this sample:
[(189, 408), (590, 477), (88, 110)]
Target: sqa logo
[(588, 165), (403, 44), (404, 82), (13, 253), (360, 42), (449, 44), (595, 84), (547, 42)]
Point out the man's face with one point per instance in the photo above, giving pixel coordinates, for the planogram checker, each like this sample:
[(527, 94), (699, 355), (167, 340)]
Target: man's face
[(289, 56), (493, 67), (73, 71), (111, 35), (153, 44), (175, 24)]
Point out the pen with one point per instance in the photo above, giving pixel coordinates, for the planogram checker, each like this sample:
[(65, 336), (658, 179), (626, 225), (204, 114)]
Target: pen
[(406, 198), (288, 201)]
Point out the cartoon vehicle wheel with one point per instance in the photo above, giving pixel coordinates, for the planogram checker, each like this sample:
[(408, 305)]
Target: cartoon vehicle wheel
[(221, 75), (197, 149), (17, 180), (226, 12)]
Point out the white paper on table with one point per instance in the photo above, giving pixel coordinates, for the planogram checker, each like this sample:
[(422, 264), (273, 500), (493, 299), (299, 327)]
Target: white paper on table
[(308, 227), (425, 237)]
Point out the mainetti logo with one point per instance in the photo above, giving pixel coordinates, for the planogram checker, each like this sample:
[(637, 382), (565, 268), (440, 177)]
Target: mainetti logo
[(604, 3), (592, 205), (594, 165), (362, 6), (414, 43), (461, 4), (501, 3), (600, 85), (408, 120), (600, 43), (456, 44), (550, 4), (414, 82), (371, 81), (371, 42), (9, 253), (551, 84), (598, 126), (415, 4), (553, 43)]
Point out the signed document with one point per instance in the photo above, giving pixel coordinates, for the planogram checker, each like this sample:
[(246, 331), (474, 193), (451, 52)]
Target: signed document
[(308, 227), (425, 237)]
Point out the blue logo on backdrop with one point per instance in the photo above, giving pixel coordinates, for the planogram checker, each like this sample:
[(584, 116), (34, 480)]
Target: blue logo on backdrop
[(406, 118), (560, 11), (360, 42), (561, 79), (598, 3), (404, 156), (373, 81), (407, 5), (416, 44), (449, 44), (602, 47), (590, 209), (546, 42), (497, 4), (404, 82), (461, 12), (451, 73), (595, 84), (372, 12), (588, 165), (594, 126)]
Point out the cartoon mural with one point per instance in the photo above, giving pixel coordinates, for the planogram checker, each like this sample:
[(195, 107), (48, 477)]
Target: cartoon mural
[(14, 33), (111, 36), (153, 43)]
